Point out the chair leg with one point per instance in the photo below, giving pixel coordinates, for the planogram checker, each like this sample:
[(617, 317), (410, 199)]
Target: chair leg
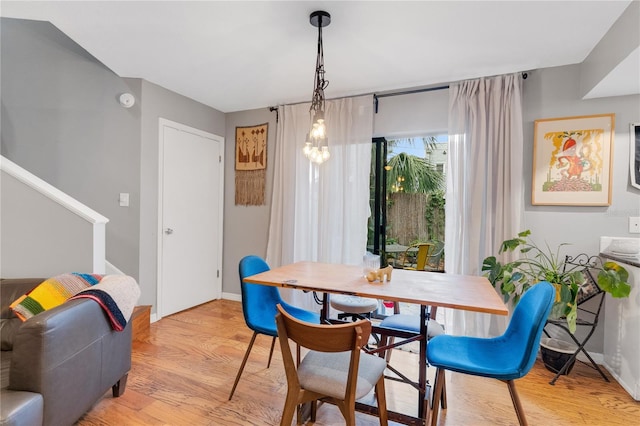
[(443, 396), (383, 342), (349, 413), (391, 342), (516, 403), (273, 344), (437, 394), (381, 400), (244, 361), (290, 407)]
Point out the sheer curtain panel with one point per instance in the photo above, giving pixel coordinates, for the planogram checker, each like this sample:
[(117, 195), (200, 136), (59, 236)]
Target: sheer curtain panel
[(320, 212), (485, 196)]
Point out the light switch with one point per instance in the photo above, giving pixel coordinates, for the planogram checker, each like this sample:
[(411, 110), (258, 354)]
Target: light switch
[(124, 199)]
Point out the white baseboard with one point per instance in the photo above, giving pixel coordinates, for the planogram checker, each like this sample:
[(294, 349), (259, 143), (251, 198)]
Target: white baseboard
[(232, 296), (597, 357), (227, 296)]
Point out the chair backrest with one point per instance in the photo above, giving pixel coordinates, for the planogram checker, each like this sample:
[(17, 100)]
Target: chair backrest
[(258, 301), (435, 255), (421, 256), (525, 329), (351, 336)]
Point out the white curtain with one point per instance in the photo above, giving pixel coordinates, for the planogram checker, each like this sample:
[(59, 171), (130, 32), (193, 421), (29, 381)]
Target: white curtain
[(320, 212), (485, 196)]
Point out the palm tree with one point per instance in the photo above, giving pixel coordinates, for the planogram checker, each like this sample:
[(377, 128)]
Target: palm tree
[(410, 174)]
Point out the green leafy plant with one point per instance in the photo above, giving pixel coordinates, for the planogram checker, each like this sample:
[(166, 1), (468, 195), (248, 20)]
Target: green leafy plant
[(537, 264)]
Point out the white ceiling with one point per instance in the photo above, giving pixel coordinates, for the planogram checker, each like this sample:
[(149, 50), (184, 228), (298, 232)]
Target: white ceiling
[(239, 55)]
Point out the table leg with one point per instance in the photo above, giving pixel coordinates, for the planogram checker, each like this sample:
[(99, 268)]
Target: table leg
[(324, 310)]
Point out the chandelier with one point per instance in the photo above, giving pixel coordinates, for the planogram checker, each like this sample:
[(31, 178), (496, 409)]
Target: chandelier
[(316, 147)]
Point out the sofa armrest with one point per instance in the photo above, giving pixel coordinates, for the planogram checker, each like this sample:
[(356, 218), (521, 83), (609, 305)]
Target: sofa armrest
[(71, 356)]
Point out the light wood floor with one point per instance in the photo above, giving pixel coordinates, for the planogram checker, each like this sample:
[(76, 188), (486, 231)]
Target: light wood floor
[(183, 373)]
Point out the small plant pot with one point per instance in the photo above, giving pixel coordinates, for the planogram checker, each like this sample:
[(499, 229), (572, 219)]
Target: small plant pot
[(556, 353)]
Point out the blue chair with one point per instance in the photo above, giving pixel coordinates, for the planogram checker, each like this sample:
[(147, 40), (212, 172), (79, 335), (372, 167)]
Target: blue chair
[(259, 308), (507, 357)]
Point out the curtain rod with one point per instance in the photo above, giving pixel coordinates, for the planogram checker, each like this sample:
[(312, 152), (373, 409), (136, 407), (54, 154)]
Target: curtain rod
[(409, 92), (385, 95)]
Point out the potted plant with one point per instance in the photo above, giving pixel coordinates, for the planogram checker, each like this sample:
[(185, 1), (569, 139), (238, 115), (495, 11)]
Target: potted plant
[(537, 264)]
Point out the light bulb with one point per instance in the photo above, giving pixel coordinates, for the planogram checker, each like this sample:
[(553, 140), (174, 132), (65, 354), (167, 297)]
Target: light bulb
[(307, 148), (325, 153)]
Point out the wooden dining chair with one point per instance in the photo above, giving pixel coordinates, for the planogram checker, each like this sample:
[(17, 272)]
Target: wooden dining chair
[(335, 368)]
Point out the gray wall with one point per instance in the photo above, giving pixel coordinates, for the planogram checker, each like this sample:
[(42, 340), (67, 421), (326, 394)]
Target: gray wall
[(62, 122), (157, 103), (39, 236), (246, 228), (554, 92), (414, 114)]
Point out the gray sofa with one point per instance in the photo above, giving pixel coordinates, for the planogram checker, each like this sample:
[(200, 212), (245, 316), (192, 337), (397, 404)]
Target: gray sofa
[(58, 364)]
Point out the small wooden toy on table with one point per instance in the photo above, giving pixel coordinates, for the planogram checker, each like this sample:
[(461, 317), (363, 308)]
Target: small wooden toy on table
[(381, 274)]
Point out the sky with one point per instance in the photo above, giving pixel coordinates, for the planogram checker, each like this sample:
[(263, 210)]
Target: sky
[(414, 148)]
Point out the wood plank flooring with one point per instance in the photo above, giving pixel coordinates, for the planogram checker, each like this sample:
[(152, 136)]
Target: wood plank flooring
[(183, 373)]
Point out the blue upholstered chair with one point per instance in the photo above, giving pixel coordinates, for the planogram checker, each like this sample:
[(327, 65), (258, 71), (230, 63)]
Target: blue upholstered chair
[(259, 308), (407, 322), (507, 357)]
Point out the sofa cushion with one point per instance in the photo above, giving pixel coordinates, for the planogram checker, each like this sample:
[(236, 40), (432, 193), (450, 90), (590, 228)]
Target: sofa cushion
[(51, 293), (11, 289), (8, 329), (5, 366), (21, 408)]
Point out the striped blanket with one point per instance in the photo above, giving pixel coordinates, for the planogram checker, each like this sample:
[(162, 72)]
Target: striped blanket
[(51, 293), (116, 294)]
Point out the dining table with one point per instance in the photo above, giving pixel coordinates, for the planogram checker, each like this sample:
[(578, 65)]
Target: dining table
[(427, 289)]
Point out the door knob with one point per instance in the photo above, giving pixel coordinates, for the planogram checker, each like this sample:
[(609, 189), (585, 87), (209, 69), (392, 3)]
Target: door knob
[(168, 231)]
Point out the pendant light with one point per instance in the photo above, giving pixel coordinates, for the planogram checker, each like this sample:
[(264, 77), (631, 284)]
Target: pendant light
[(316, 147)]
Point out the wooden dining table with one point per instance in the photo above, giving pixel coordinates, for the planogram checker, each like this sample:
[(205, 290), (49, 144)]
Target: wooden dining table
[(466, 292)]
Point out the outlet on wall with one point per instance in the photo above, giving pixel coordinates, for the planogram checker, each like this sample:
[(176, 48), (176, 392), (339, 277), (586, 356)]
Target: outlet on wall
[(634, 225)]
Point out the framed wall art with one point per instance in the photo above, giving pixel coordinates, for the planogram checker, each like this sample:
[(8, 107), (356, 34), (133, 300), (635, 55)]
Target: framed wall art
[(251, 164), (572, 158), (634, 154)]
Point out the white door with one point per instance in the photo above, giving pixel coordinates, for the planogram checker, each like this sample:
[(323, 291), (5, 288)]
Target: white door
[(191, 199)]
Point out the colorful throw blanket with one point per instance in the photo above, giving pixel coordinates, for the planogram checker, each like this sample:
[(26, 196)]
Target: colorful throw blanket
[(51, 293), (116, 294)]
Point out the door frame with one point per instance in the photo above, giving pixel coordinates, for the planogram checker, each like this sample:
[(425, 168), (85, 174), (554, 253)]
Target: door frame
[(163, 122), (380, 199)]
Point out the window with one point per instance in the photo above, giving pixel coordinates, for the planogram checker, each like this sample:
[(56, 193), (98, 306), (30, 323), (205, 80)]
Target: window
[(407, 194)]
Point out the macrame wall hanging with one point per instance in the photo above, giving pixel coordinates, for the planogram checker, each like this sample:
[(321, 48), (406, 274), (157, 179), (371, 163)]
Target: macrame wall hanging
[(251, 164)]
